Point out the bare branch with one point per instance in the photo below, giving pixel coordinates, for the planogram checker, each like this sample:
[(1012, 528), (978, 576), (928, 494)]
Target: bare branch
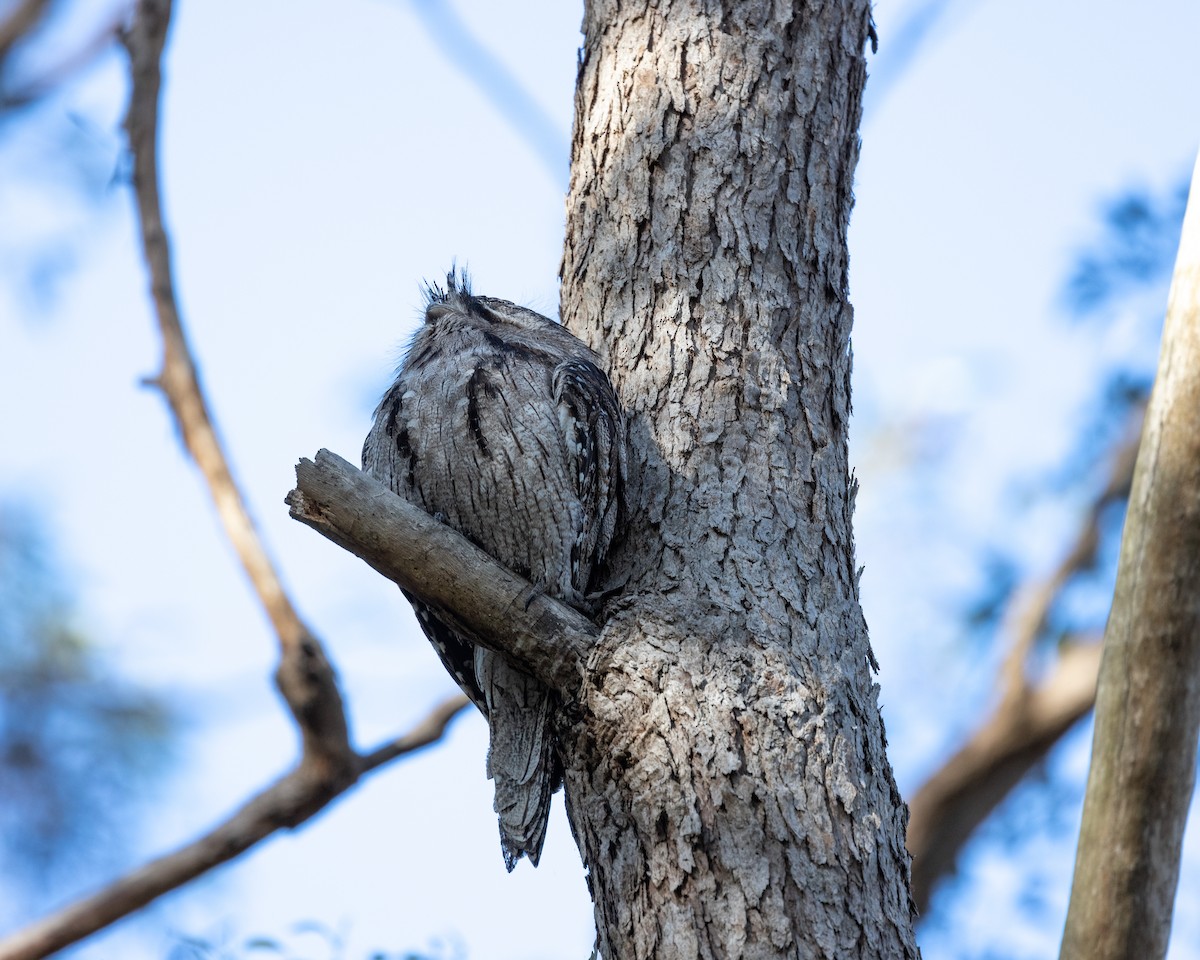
[(288, 803), (328, 766), (1017, 735), (178, 378), (503, 611), (19, 24), (74, 61), (1148, 703), (428, 731), (305, 676)]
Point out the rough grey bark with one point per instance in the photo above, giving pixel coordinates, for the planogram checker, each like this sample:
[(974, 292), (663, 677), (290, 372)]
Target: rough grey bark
[(726, 775), (1148, 698)]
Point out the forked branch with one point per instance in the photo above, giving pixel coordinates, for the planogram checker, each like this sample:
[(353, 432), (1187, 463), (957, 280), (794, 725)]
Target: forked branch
[(285, 804), (329, 765)]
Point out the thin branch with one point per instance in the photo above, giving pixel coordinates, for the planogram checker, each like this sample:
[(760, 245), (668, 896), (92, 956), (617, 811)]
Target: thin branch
[(329, 766), (1030, 611), (501, 610), (178, 379), (19, 24), (288, 803), (73, 62), (428, 731), (305, 676), (1143, 769)]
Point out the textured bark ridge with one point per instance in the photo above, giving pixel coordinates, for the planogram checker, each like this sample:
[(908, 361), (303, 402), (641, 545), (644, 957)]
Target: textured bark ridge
[(726, 778)]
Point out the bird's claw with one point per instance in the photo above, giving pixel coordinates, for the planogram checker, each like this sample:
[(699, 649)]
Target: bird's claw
[(532, 594)]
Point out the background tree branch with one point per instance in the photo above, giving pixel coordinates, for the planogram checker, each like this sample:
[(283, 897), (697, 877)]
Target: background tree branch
[(305, 676), (329, 765), (1031, 715), (1148, 701), (289, 802), (1013, 738)]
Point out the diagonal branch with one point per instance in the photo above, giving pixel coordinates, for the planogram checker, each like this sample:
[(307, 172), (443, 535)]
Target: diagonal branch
[(328, 766), (1031, 609), (305, 676), (288, 802), (413, 549), (425, 733), (1010, 742), (408, 546)]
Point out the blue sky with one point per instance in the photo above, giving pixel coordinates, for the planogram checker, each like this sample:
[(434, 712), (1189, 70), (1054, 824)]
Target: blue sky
[(319, 160)]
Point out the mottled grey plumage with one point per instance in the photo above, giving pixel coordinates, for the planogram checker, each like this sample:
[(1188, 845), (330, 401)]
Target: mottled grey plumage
[(501, 424)]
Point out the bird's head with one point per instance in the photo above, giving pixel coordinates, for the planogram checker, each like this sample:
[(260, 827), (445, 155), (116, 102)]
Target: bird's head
[(456, 300)]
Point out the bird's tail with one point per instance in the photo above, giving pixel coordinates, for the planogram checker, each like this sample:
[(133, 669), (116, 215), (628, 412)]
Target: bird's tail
[(521, 758)]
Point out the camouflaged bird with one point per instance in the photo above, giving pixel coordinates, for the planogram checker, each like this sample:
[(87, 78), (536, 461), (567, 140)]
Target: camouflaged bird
[(502, 425)]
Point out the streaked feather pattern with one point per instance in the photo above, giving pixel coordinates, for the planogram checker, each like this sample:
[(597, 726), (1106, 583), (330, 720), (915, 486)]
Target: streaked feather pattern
[(502, 424)]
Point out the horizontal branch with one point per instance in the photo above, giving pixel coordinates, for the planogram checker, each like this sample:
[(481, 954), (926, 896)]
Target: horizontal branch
[(401, 541), (288, 802)]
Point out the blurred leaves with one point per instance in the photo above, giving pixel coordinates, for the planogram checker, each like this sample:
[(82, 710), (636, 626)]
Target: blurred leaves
[(306, 940), (1135, 248), (1120, 279), (1126, 267), (44, 44), (1119, 284), (78, 746)]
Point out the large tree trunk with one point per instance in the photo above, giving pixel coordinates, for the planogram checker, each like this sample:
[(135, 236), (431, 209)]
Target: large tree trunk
[(726, 775)]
